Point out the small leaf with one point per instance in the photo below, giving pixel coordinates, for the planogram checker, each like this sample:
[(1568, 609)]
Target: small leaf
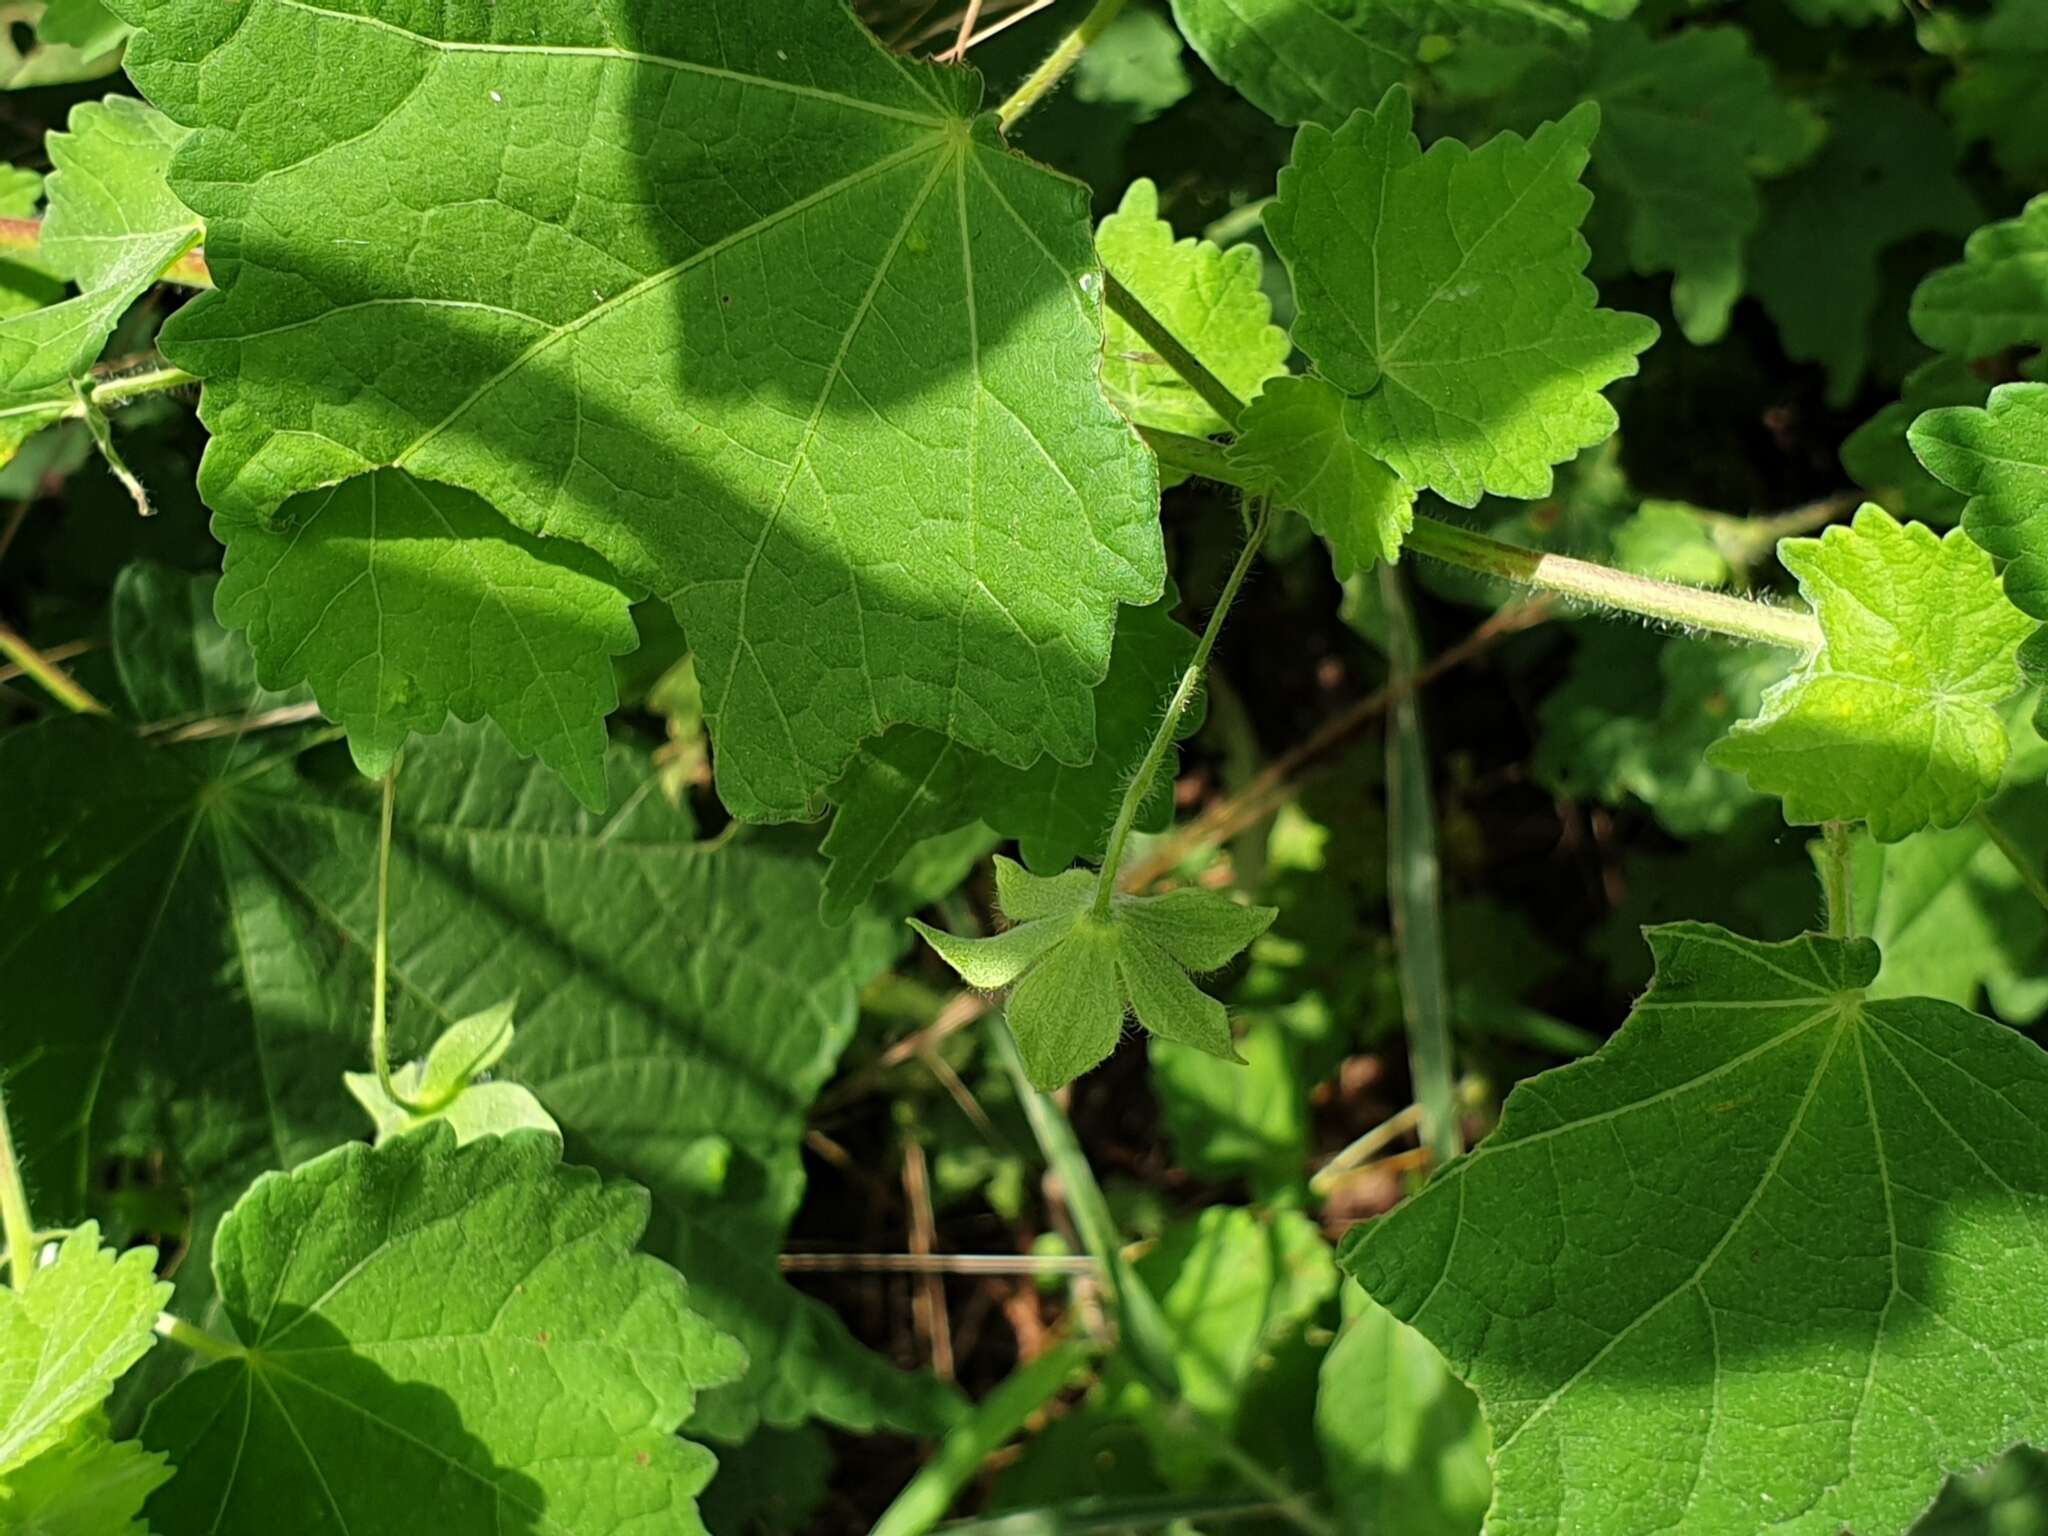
[(86, 1485), (1209, 298), (467, 1048), (1077, 975), (1994, 93), (405, 1316), (1879, 456), (1303, 442), (1446, 289), (1893, 721), (67, 1337), (441, 1084), (1788, 1234), (1996, 296)]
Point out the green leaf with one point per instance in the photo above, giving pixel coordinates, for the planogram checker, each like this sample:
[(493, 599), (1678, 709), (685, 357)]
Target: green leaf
[(67, 1337), (910, 785), (1886, 173), (1076, 976), (1404, 1441), (1230, 1118), (1314, 61), (441, 1084), (1998, 458), (1637, 719), (1689, 123), (89, 1485), (1446, 289), (240, 873), (112, 228), (1893, 721), (1995, 95), (1879, 457), (1134, 62), (1781, 1231), (85, 25), (402, 602), (1305, 444), (405, 1317), (603, 345), (1209, 298), (1996, 296)]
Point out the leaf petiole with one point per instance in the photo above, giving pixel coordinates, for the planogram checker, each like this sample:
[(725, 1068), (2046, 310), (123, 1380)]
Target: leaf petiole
[(1140, 786), (380, 1024), (190, 1336), (19, 1230), (1039, 83)]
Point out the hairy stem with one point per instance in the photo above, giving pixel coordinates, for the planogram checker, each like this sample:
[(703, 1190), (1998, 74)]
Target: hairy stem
[(119, 391), (1140, 785), (55, 681), (94, 415), (15, 1225), (380, 1024), (1415, 883), (1039, 83), (1835, 856), (190, 1336), (1127, 308), (1601, 586)]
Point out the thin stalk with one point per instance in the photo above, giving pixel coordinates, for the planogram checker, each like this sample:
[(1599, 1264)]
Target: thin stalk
[(55, 681), (95, 417), (380, 1025), (992, 1424), (1238, 223), (1385, 1134), (1194, 455), (15, 1224), (1041, 80), (133, 386), (1145, 1334), (1739, 618), (1415, 883), (1150, 1512), (1835, 856), (2022, 863), (189, 1336), (1140, 785), (1172, 351)]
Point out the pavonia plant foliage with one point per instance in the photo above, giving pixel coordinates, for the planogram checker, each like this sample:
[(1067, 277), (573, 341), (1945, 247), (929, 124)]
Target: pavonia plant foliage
[(614, 605)]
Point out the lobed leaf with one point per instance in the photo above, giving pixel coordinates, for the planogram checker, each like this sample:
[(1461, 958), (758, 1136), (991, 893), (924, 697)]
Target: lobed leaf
[(545, 253), (1784, 1232), (86, 1485), (1304, 443), (1996, 296), (1893, 721)]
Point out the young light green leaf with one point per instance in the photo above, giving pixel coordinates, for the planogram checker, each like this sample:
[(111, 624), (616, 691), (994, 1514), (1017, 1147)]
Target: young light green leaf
[(401, 602), (1314, 61), (1998, 458), (1210, 298), (1304, 443), (1447, 290), (441, 1084), (910, 785), (87, 1485), (1996, 296), (67, 1337), (85, 25), (405, 1316), (1783, 1229), (601, 344), (1077, 976), (237, 870), (1893, 721), (113, 227), (1886, 173), (1403, 1438)]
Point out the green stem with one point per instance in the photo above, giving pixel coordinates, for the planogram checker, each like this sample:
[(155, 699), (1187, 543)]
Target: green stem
[(995, 1420), (95, 417), (188, 1336), (1125, 306), (1120, 1516), (1063, 58), (56, 682), (1140, 786), (1415, 883), (1836, 856), (15, 1224), (2022, 864), (1740, 618), (1194, 455), (380, 1025), (119, 391)]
